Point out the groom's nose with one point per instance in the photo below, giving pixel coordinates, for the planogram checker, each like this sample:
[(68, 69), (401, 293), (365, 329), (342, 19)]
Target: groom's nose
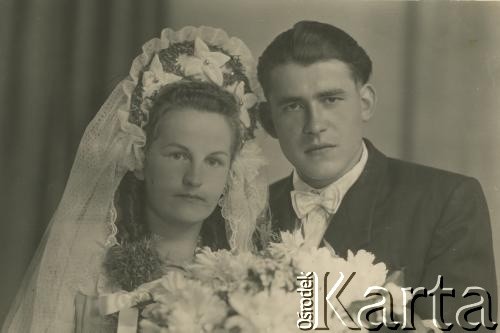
[(314, 121)]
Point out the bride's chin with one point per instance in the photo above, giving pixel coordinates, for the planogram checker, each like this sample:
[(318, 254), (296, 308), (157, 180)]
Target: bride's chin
[(189, 215)]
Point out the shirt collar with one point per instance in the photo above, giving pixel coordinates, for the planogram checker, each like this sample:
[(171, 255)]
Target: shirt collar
[(343, 184)]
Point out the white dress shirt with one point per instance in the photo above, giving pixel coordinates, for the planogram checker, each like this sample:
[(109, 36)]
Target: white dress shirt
[(314, 224)]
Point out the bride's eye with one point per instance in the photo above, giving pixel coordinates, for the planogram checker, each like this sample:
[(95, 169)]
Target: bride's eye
[(215, 162), (178, 156)]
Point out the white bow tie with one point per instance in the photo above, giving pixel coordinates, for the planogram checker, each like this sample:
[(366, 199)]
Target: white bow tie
[(305, 202)]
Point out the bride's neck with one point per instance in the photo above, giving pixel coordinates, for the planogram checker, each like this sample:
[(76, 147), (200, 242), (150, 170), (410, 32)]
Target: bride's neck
[(176, 241)]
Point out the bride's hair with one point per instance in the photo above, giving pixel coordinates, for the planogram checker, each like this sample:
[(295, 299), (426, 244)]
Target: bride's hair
[(130, 196), (201, 96)]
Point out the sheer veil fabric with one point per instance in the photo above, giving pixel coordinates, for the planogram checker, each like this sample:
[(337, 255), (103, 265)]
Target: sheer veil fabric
[(69, 257)]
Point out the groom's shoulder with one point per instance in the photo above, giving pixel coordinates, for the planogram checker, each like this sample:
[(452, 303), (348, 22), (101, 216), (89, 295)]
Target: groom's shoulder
[(405, 172), (420, 172), (409, 181), (409, 173)]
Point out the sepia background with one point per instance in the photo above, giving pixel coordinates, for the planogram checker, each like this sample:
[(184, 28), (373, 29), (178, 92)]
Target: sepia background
[(436, 72)]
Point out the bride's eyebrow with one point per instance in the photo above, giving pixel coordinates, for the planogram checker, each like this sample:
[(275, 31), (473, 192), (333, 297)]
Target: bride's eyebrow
[(219, 152), (175, 145)]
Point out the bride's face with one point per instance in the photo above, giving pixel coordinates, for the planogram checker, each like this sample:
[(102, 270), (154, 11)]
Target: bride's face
[(187, 165)]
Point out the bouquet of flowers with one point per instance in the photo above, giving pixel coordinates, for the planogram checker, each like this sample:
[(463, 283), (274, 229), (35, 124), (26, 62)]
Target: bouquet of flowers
[(245, 292)]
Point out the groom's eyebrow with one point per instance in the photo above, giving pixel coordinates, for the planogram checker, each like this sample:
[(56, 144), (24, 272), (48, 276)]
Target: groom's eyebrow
[(293, 99), (287, 100), (330, 92)]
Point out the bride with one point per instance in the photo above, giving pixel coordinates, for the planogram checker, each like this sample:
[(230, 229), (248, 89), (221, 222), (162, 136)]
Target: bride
[(168, 164)]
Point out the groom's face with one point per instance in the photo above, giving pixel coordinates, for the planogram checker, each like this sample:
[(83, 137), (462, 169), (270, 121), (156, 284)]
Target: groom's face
[(318, 112)]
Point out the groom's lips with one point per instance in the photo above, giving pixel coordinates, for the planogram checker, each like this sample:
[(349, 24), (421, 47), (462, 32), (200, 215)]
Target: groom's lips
[(319, 148)]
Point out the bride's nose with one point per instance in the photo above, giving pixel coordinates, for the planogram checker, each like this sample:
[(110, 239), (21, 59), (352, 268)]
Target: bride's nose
[(193, 175)]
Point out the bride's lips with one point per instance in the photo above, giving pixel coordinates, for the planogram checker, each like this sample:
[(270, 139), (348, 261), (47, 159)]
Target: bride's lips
[(191, 197), (319, 148)]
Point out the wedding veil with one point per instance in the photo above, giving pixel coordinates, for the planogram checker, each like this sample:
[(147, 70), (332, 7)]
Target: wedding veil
[(81, 230)]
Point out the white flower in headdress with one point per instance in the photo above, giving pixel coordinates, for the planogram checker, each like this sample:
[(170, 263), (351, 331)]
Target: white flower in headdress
[(246, 101), (204, 63), (155, 77)]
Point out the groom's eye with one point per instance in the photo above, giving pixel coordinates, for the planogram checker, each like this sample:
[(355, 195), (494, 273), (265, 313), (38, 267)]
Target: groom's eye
[(330, 100), (291, 107)]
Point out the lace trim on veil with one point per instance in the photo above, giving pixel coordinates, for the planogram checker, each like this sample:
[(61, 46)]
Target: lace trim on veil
[(111, 240), (83, 227)]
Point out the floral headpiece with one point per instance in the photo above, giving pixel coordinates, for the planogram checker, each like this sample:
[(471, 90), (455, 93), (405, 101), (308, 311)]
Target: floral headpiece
[(204, 54)]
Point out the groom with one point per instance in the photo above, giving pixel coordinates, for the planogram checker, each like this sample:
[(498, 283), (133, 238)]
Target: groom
[(344, 192)]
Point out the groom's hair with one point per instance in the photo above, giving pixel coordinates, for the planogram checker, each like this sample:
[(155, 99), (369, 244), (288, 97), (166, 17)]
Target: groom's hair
[(306, 43), (309, 42)]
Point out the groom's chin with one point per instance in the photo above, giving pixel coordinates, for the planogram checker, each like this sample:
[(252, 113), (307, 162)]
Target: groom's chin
[(320, 174)]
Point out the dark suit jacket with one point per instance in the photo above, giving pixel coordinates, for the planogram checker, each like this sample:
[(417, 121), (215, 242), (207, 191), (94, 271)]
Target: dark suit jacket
[(424, 221)]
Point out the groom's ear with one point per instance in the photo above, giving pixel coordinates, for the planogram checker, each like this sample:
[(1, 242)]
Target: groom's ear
[(266, 119)]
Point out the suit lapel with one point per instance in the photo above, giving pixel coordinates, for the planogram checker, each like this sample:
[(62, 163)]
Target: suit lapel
[(281, 206), (351, 227)]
